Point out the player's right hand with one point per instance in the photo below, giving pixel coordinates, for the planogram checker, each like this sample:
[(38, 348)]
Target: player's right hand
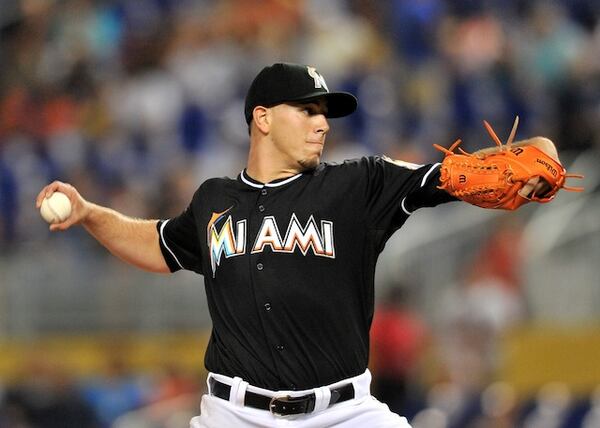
[(79, 206)]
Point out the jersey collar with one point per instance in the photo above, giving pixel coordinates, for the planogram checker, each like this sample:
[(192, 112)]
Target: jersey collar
[(275, 183)]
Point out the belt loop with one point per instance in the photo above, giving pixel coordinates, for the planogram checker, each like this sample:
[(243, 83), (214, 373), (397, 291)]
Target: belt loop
[(237, 391), (362, 384), (241, 393), (208, 378), (322, 398)]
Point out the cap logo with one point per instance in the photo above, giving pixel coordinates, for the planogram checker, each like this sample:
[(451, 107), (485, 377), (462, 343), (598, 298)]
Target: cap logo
[(319, 80)]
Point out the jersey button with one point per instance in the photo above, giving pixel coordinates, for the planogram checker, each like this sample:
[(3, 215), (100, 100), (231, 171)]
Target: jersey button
[(263, 192), (261, 208), (267, 306), (279, 348), (259, 266)]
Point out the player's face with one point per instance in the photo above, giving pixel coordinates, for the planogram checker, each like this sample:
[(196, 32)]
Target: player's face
[(298, 132)]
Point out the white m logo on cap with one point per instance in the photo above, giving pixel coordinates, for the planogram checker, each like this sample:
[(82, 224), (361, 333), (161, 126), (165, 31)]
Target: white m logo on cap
[(319, 80)]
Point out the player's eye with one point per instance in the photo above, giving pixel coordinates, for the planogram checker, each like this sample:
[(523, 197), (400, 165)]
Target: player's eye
[(311, 109)]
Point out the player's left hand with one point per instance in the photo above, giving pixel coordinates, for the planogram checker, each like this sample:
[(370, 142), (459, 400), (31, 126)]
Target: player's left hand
[(506, 176)]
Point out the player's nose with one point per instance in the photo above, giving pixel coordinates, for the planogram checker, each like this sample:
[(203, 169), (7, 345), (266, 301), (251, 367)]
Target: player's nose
[(322, 125)]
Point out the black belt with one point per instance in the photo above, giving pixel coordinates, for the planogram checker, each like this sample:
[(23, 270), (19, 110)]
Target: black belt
[(282, 405)]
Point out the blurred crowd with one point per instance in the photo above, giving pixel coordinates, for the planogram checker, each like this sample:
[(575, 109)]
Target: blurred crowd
[(436, 369), (136, 101), (48, 396)]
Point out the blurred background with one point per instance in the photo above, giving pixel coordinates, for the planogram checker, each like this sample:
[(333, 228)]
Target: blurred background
[(484, 318)]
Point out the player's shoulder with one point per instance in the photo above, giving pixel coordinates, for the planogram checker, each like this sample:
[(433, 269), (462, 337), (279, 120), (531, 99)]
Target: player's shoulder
[(366, 163), (346, 164), (218, 182), (214, 186), (342, 168), (411, 166)]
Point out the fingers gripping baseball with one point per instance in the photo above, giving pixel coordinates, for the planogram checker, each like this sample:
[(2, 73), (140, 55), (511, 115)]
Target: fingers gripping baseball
[(78, 205)]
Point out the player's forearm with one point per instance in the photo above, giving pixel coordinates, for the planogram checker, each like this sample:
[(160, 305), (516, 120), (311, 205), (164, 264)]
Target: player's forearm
[(132, 240)]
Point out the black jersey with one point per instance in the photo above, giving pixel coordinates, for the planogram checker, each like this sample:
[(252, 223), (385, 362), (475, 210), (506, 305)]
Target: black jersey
[(289, 266)]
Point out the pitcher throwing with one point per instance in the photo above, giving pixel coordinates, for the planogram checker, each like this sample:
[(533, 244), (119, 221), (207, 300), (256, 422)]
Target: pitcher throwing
[(288, 251)]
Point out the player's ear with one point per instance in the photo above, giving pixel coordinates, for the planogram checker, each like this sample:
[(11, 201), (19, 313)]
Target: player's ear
[(261, 118)]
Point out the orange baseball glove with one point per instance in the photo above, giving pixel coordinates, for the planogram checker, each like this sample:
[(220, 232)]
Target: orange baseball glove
[(503, 178)]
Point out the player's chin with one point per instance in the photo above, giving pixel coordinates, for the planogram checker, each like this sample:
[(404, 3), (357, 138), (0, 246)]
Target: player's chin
[(310, 162)]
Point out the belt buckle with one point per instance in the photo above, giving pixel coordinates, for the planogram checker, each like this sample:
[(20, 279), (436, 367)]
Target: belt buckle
[(273, 405), (286, 405)]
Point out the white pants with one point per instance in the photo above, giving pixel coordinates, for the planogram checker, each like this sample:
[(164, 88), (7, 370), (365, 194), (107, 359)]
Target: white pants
[(362, 411)]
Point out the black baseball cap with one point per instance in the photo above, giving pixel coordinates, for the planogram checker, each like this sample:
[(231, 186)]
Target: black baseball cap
[(284, 82)]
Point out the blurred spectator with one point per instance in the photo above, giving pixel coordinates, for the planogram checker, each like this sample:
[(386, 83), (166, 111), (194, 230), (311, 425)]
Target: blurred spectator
[(47, 397), (174, 382), (115, 393), (476, 312), (8, 205), (450, 406), (172, 402), (500, 259), (398, 340), (550, 409), (591, 418)]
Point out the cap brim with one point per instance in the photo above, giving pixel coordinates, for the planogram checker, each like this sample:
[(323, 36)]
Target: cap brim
[(339, 104)]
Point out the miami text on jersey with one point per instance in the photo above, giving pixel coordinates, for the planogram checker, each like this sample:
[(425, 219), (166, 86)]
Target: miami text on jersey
[(229, 241)]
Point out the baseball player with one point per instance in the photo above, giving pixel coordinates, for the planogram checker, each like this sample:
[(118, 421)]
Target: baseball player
[(288, 251)]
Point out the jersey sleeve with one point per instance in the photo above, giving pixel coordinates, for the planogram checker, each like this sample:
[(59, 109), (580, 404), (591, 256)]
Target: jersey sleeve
[(428, 194), (179, 242), (395, 189)]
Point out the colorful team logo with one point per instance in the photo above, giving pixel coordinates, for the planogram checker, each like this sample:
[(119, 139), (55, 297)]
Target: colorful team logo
[(225, 239)]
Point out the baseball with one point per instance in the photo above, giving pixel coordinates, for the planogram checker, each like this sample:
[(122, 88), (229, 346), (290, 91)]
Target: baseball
[(56, 208)]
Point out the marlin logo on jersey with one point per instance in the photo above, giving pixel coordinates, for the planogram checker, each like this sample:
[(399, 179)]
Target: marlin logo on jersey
[(230, 242), (223, 241)]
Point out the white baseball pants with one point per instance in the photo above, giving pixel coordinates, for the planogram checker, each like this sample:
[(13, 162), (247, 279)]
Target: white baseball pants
[(362, 411)]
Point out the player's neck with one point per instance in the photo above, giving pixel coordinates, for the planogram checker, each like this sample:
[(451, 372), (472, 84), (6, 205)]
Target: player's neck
[(266, 167)]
